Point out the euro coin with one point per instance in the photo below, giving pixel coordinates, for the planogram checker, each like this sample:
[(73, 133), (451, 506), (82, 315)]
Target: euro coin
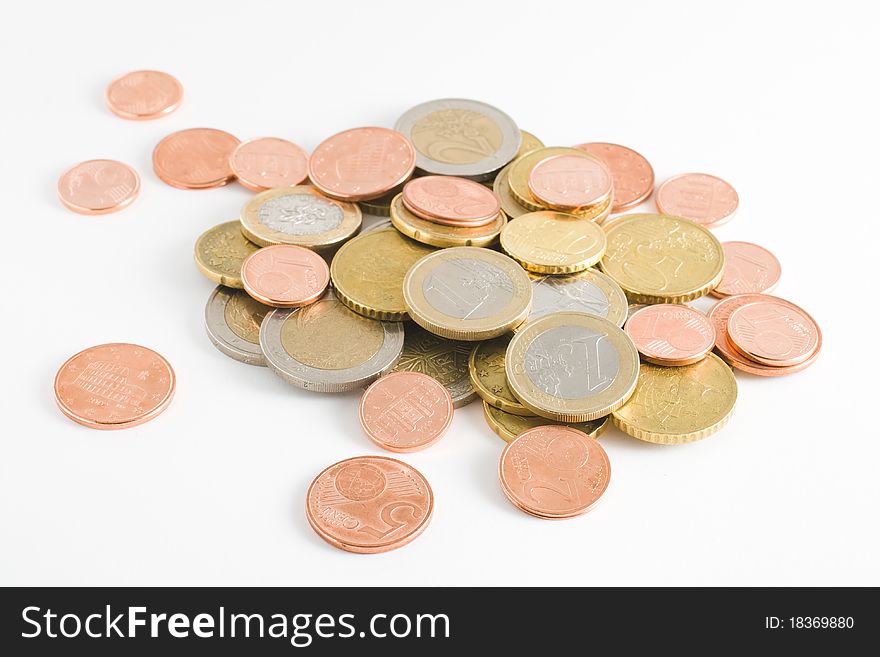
[(508, 426), (220, 252), (232, 320), (588, 291), (285, 276), (444, 236), (704, 199), (445, 360), (486, 369), (748, 269), (550, 242)]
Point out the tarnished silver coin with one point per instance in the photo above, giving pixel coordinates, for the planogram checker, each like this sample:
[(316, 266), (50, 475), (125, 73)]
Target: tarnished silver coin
[(588, 291), (442, 359), (460, 137), (232, 320), (328, 348)]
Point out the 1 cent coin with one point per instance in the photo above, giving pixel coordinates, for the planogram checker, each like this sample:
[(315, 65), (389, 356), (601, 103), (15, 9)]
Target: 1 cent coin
[(98, 187), (671, 334), (285, 276)]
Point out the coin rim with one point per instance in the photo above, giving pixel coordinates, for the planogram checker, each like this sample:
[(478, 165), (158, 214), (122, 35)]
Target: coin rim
[(507, 436)]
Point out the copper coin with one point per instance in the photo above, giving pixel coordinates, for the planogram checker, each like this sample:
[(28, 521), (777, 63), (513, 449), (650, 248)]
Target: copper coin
[(362, 163), (260, 164), (197, 158), (773, 332), (369, 504), (452, 199), (406, 411), (704, 199), (748, 269), (671, 334), (632, 174), (98, 187), (554, 472), (114, 386), (570, 181), (719, 315), (285, 276), (144, 95)]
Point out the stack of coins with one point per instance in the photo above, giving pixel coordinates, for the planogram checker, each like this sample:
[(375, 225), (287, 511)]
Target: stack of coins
[(490, 279)]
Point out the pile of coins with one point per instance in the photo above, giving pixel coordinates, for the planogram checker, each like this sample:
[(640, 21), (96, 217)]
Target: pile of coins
[(499, 274)]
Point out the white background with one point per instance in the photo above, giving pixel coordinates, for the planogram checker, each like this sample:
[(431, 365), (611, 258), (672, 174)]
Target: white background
[(778, 98)]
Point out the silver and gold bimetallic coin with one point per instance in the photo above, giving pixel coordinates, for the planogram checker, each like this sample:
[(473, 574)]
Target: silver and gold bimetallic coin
[(674, 405), (486, 368), (459, 137), (549, 242), (328, 348), (301, 216), (662, 259), (589, 291), (219, 252), (232, 320), (442, 235), (508, 426), (572, 367), (368, 271), (467, 293), (442, 359)]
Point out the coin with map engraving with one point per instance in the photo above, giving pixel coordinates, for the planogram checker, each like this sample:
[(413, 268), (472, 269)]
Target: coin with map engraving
[(369, 504)]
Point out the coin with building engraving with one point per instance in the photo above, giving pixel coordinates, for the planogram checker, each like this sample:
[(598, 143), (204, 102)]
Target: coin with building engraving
[(299, 215), (232, 320), (568, 182), (486, 369), (114, 386), (550, 242), (554, 472), (266, 162), (368, 272), (748, 269), (442, 235), (661, 259), (521, 169), (671, 334), (220, 252), (773, 332), (674, 405), (508, 426), (445, 360), (467, 293), (460, 137), (327, 347), (632, 174), (406, 411), (369, 504), (361, 163), (704, 199), (571, 366), (588, 291), (197, 158), (144, 95)]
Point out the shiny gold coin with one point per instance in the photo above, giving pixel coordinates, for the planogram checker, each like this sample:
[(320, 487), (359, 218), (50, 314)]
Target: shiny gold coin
[(528, 144), (508, 426), (299, 215), (656, 258), (674, 405), (368, 271), (467, 293), (486, 369), (442, 359), (572, 367), (550, 242), (428, 232), (512, 208), (518, 179), (588, 291), (219, 252)]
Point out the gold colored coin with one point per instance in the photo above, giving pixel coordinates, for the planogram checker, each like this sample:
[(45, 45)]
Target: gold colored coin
[(219, 252), (657, 258), (442, 359), (588, 291), (550, 242), (299, 215), (467, 293), (518, 179), (528, 144), (379, 207), (508, 426), (674, 405), (368, 271), (501, 187), (486, 369), (428, 232), (572, 367)]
